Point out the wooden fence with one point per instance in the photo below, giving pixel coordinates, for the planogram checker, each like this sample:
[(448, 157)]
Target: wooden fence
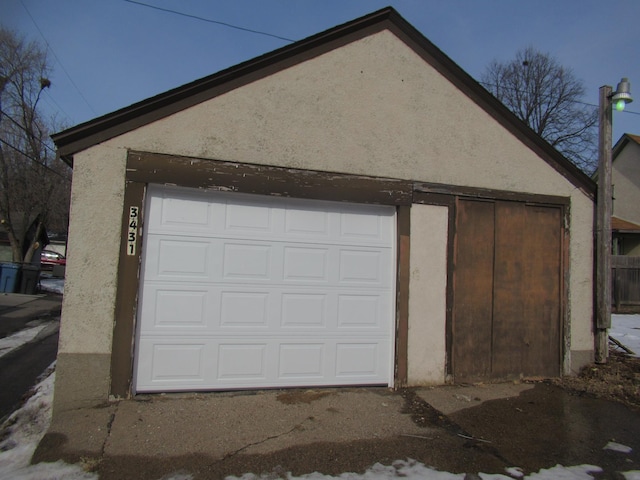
[(625, 277)]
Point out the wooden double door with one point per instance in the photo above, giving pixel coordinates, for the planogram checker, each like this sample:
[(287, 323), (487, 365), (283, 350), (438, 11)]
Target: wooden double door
[(507, 291)]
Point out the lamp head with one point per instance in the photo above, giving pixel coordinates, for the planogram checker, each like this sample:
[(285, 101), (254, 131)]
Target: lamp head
[(622, 95)]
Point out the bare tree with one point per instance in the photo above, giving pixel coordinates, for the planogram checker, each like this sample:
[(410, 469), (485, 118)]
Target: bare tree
[(547, 96), (34, 184)]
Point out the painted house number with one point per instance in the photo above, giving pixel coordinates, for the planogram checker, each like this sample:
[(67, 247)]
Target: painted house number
[(132, 233)]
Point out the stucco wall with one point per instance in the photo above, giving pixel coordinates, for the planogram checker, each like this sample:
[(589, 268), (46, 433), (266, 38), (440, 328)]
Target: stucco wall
[(373, 107), (84, 351), (428, 295)]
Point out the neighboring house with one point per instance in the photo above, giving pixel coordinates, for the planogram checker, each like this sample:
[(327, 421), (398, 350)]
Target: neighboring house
[(625, 225), (626, 237), (351, 209), (625, 178)]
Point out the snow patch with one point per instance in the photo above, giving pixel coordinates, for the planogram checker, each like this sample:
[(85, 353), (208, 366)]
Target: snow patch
[(515, 472), (15, 341), (626, 329), (52, 285), (22, 432), (617, 447), (413, 470)]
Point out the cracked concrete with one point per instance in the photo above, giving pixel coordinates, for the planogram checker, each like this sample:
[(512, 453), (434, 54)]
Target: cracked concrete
[(212, 435), (224, 425)]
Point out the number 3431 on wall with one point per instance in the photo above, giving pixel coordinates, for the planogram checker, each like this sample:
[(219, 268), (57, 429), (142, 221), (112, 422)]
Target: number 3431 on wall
[(132, 233)]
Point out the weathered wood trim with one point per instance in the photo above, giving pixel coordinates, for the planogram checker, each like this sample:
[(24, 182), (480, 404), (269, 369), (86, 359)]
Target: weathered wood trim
[(402, 296), (265, 180), (424, 191), (565, 312), (452, 201), (441, 199), (451, 251), (126, 296)]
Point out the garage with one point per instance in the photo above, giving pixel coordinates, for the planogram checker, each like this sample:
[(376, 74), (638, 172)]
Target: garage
[(249, 291), (353, 209)]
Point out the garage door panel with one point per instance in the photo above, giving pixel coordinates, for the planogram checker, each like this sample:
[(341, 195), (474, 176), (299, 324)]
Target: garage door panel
[(311, 223), (357, 360), (269, 218), (360, 266), (185, 214), (357, 311), (249, 218), (302, 361), (242, 362), (206, 309), (180, 309), (304, 310), (166, 308), (169, 259), (356, 225), (162, 363), (271, 292), (306, 264), (178, 363), (246, 261), (240, 309), (183, 258)]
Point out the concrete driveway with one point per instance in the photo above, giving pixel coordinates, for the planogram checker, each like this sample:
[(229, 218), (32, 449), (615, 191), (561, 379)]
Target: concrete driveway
[(457, 429)]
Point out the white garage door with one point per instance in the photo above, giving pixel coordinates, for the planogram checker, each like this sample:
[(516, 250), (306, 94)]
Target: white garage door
[(246, 291)]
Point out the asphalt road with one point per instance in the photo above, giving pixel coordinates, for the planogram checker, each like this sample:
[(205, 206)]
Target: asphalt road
[(20, 369)]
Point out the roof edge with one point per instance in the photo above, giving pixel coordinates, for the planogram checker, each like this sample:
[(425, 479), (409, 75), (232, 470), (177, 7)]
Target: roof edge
[(622, 142), (121, 121), (72, 140)]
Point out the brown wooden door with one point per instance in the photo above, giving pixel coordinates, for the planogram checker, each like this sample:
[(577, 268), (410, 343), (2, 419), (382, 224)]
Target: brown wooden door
[(506, 320)]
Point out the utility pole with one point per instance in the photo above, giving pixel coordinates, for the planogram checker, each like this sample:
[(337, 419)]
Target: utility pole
[(603, 228), (620, 97)]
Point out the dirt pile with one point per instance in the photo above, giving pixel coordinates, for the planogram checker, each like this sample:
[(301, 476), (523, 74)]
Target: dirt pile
[(617, 380)]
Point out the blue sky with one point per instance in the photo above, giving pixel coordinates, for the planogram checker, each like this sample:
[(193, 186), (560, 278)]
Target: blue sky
[(108, 54)]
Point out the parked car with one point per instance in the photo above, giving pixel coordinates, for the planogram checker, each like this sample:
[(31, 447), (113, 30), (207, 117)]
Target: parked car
[(48, 259)]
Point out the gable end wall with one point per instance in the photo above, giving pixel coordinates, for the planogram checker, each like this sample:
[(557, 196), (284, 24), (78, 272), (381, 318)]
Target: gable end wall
[(372, 107)]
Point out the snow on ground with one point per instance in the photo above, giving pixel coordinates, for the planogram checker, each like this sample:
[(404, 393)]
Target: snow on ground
[(15, 341), (626, 329), (23, 430), (51, 284), (410, 469)]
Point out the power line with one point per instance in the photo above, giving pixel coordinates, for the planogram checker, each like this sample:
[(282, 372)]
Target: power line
[(210, 21), (4, 115), (573, 101), (34, 160), (58, 60), (50, 98)]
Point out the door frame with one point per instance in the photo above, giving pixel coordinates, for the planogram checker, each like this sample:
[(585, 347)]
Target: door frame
[(448, 195), (143, 168)]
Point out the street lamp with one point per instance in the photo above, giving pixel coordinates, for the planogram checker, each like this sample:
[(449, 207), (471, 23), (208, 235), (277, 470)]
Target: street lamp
[(620, 97)]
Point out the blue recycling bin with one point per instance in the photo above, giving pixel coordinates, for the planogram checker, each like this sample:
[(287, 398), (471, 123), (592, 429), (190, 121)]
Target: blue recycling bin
[(9, 277)]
